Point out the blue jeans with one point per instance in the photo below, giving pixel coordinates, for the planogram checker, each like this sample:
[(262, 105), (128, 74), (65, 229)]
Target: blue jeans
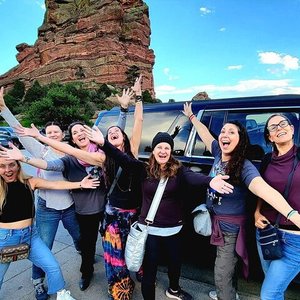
[(280, 272), (39, 254), (47, 221)]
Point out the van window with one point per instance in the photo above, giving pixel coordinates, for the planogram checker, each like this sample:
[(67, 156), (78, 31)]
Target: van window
[(255, 121), (180, 131), (152, 124)]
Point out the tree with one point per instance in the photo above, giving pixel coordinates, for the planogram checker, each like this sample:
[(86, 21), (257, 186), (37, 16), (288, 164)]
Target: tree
[(34, 93), (62, 103)]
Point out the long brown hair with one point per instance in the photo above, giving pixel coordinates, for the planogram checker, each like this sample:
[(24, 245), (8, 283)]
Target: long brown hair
[(235, 165), (3, 185), (170, 170)]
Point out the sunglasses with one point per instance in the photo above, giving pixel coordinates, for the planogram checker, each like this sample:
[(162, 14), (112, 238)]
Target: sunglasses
[(282, 124)]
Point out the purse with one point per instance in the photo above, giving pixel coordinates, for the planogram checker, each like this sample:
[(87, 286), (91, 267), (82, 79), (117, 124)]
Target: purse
[(202, 220), (9, 254), (270, 242), (268, 237), (137, 237)]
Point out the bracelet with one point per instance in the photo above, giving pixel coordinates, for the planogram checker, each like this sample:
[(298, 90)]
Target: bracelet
[(138, 99), (292, 212), (124, 109), (191, 117), (27, 159), (80, 185)]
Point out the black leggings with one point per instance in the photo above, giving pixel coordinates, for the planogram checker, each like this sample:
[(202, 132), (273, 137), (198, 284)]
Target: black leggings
[(89, 226), (171, 247)]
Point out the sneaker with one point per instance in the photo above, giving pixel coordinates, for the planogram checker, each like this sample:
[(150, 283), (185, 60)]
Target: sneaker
[(40, 292), (213, 295), (180, 294), (64, 295)]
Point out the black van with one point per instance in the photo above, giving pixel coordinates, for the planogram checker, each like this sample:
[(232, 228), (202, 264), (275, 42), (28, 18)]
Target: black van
[(191, 151)]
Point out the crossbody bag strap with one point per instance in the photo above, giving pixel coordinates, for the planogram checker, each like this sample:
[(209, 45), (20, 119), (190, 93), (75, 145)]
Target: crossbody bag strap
[(156, 200), (287, 187), (114, 182)]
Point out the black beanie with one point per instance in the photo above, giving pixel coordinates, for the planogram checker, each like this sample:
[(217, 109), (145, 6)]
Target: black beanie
[(162, 137)]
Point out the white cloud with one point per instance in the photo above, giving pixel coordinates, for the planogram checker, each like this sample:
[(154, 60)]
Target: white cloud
[(205, 11), (170, 77), (242, 88), (222, 29), (286, 62), (236, 67), (41, 4)]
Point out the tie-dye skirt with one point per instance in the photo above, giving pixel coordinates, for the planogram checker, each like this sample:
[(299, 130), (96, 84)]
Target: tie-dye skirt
[(116, 228)]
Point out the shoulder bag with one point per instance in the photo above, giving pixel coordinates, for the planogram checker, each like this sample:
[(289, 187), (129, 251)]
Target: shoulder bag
[(268, 237), (136, 240), (202, 220)]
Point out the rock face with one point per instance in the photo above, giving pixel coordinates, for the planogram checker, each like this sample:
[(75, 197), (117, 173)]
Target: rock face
[(94, 41)]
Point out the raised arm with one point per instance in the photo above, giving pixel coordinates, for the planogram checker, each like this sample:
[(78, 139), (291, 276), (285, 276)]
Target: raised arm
[(34, 147), (93, 158), (201, 129), (261, 189), (86, 183), (124, 100), (136, 135), (14, 153)]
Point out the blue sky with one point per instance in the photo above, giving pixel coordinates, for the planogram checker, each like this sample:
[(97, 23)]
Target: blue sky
[(228, 48)]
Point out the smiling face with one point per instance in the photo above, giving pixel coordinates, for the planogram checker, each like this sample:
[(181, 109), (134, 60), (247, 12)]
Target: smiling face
[(9, 170), (228, 139), (162, 153), (282, 134), (79, 137), (54, 132), (115, 137)]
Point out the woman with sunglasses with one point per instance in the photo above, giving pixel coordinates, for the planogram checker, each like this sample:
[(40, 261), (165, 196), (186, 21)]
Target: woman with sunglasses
[(279, 273), (229, 211)]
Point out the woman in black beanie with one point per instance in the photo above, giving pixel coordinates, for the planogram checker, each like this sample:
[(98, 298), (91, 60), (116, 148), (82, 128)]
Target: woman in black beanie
[(164, 233)]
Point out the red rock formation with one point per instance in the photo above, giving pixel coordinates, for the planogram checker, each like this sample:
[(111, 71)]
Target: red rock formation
[(94, 41)]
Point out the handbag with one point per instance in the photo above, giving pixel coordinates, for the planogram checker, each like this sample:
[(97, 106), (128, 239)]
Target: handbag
[(202, 220), (270, 242), (268, 237), (9, 254), (137, 237)]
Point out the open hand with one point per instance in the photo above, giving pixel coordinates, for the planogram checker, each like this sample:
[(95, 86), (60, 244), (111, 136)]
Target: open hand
[(219, 184), (90, 183), (187, 109), (125, 98), (11, 153), (23, 131), (94, 134)]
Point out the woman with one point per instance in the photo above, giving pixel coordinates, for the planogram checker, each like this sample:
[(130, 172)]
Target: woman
[(123, 199), (16, 218), (229, 211), (279, 273), (164, 233), (53, 206)]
